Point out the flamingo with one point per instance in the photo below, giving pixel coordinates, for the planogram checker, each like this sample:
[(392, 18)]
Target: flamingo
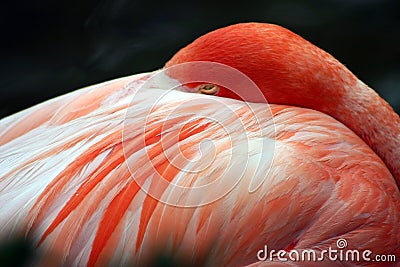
[(116, 172)]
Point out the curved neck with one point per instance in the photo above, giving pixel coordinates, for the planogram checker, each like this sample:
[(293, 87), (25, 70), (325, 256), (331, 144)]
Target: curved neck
[(334, 90), (290, 70), (371, 118)]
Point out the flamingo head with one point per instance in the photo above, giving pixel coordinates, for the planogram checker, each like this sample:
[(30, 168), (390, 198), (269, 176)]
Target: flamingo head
[(290, 70), (287, 68)]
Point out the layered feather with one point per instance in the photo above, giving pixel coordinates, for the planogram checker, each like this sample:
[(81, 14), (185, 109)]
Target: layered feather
[(114, 172)]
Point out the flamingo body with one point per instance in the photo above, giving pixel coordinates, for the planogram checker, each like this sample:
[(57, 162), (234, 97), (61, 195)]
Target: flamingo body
[(112, 173)]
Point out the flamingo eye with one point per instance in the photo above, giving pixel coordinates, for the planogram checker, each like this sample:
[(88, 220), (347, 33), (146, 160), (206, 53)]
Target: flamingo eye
[(208, 89)]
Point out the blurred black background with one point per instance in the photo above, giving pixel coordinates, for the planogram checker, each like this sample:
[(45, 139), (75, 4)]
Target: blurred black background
[(52, 47)]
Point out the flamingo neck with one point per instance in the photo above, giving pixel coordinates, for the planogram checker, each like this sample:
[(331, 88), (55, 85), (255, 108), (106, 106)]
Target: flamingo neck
[(322, 83), (290, 70), (371, 118)]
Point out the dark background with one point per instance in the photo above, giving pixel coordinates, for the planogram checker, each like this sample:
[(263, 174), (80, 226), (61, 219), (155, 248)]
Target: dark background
[(52, 47)]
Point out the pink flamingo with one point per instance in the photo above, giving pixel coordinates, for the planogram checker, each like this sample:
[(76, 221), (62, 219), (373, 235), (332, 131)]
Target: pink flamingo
[(80, 173)]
